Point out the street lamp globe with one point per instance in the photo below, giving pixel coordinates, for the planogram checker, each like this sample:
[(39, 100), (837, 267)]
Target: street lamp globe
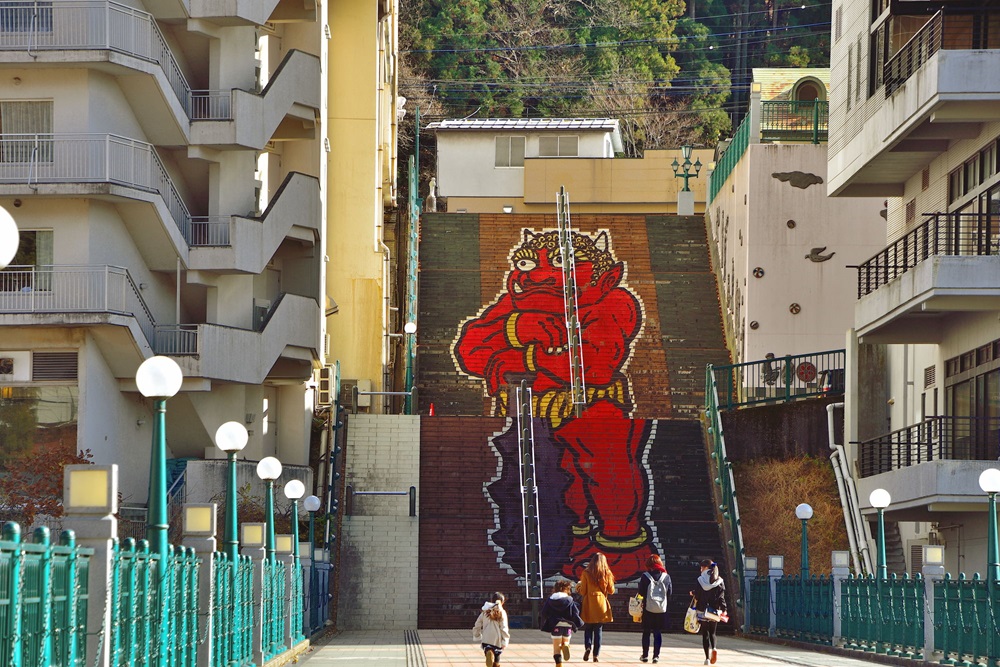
[(159, 377), (231, 437), (8, 238), (880, 499), (804, 512), (410, 328), (989, 480), (269, 469), (311, 504), (294, 489)]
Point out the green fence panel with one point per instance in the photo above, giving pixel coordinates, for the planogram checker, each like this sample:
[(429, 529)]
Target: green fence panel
[(297, 606), (903, 616), (781, 379), (232, 611), (273, 641), (758, 620), (43, 599), (728, 161), (804, 609), (965, 624)]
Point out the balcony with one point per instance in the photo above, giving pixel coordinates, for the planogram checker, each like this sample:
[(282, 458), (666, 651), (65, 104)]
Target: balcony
[(943, 84), (948, 264), (285, 346), (77, 295), (931, 466), (242, 244), (285, 110)]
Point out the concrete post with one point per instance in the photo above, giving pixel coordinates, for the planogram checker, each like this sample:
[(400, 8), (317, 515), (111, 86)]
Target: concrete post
[(755, 113), (307, 583), (90, 501), (749, 574), (775, 571), (931, 573), (841, 570), (199, 534), (253, 546), (685, 202)]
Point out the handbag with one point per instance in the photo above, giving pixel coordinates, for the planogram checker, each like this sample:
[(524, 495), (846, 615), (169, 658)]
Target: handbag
[(691, 623), (635, 606)]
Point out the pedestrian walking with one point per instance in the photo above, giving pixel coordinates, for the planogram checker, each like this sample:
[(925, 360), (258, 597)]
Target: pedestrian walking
[(710, 601), (491, 629), (560, 616), (655, 587), (597, 584)]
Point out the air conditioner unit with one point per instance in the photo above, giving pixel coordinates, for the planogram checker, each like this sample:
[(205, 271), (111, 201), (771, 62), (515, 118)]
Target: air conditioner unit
[(347, 388), (326, 383)]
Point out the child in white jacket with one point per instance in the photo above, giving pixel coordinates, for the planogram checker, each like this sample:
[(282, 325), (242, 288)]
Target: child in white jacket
[(491, 629)]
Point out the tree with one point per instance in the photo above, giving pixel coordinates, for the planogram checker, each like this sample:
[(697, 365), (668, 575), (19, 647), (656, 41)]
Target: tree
[(31, 481)]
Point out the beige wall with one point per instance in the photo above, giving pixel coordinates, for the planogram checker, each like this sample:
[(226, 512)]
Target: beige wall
[(354, 213)]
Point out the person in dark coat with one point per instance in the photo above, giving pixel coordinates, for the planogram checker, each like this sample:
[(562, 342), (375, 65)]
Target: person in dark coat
[(560, 616), (710, 593), (653, 623)]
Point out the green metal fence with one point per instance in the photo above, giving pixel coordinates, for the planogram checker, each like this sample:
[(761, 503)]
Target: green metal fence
[(273, 605), (780, 379), (758, 613), (232, 611), (726, 164), (803, 609), (729, 507), (297, 607), (137, 610), (793, 120), (883, 616), (43, 599), (965, 620)]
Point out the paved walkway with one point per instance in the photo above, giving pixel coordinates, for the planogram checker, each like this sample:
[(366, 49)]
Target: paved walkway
[(441, 648)]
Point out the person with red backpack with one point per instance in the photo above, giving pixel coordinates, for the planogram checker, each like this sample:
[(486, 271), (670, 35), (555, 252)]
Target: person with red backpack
[(655, 587)]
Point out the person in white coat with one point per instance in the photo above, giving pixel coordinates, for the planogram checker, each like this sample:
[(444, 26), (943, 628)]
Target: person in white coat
[(491, 629)]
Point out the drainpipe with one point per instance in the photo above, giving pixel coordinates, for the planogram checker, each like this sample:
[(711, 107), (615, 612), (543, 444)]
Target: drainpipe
[(853, 521)]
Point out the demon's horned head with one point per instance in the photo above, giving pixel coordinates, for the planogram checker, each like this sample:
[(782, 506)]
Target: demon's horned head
[(536, 276)]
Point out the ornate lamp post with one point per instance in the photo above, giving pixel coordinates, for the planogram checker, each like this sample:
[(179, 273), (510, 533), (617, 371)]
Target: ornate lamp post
[(269, 469), (159, 378), (880, 499), (989, 481), (294, 490), (685, 167), (8, 238), (312, 505), (803, 513), (231, 438)]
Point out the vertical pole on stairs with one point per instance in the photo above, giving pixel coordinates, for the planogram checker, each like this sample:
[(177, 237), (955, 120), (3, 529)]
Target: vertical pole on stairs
[(529, 496)]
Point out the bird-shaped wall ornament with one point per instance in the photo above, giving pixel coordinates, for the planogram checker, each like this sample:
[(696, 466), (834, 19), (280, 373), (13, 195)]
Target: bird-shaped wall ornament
[(816, 255)]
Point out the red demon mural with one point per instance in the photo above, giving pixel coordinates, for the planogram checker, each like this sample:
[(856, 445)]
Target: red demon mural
[(594, 488)]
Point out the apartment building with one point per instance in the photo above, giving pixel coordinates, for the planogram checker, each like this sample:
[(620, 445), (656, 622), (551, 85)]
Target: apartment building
[(915, 120), (165, 163)]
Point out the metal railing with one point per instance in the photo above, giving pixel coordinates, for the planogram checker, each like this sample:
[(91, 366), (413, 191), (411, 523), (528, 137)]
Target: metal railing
[(730, 506), (938, 438), (943, 32), (273, 609), (34, 159), (883, 615), (91, 25), (319, 595), (177, 340), (962, 234), (792, 120), (758, 609), (803, 608), (965, 620), (737, 146), (780, 379), (232, 611), (44, 594), (211, 230), (296, 621)]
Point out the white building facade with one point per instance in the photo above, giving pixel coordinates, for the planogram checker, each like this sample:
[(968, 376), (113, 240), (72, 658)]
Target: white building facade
[(163, 163), (915, 120)]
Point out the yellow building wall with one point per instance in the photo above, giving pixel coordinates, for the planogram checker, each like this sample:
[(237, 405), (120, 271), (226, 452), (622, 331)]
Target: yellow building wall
[(354, 213)]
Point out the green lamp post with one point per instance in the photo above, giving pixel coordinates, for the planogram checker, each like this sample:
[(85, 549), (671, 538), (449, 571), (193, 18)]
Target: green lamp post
[(880, 499), (804, 512), (294, 490), (312, 505), (685, 167), (269, 469), (989, 481), (231, 438), (8, 238), (159, 378)]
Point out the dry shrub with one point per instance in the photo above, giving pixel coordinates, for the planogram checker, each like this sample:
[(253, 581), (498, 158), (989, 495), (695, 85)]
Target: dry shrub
[(768, 492)]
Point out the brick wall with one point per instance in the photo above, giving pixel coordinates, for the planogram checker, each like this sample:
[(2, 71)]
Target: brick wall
[(379, 545)]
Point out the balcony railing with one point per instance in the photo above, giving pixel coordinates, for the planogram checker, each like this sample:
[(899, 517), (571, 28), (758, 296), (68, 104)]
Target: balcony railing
[(934, 439), (791, 120), (90, 289), (211, 230), (965, 234), (944, 31), (64, 26), (90, 158)]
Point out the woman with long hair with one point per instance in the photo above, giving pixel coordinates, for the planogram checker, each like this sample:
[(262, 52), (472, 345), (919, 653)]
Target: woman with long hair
[(491, 629), (597, 583), (655, 588), (710, 593)]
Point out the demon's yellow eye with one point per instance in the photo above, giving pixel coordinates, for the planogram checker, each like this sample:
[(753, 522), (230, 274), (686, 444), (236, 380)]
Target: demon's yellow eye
[(557, 260), (525, 264)]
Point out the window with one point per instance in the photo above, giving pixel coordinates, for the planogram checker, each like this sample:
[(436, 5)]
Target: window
[(19, 16), (838, 23), (509, 152), (21, 123), (558, 146), (30, 270), (808, 91), (850, 71)]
